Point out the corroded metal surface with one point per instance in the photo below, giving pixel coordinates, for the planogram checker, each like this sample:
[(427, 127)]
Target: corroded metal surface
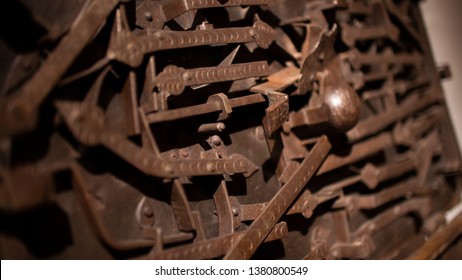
[(239, 129)]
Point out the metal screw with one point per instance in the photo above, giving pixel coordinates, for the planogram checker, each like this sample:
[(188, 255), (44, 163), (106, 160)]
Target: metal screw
[(235, 211)]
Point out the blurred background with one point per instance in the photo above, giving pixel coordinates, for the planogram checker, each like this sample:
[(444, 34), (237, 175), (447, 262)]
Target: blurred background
[(443, 20)]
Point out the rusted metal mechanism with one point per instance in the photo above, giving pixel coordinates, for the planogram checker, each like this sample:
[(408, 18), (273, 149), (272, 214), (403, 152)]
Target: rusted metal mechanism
[(234, 129)]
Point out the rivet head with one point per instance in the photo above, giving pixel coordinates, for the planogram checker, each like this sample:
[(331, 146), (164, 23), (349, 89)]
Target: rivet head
[(168, 169), (221, 127), (147, 211), (148, 16), (216, 140), (185, 152), (211, 167)]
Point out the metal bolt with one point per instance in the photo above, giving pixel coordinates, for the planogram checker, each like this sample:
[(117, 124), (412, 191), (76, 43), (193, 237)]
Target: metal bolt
[(235, 211)]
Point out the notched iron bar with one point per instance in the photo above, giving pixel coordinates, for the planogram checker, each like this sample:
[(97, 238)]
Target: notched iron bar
[(130, 49), (384, 29), (210, 107), (279, 81), (174, 8), (436, 244), (418, 205), (369, 175), (357, 59), (356, 201), (361, 244), (375, 124), (174, 79), (352, 34), (402, 18), (304, 205), (335, 190), (215, 247), (418, 160), (372, 175), (409, 132), (87, 125), (311, 7), (396, 87), (358, 151), (247, 244)]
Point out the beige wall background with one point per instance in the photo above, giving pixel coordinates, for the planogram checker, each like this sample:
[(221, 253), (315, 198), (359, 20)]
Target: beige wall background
[(443, 19)]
